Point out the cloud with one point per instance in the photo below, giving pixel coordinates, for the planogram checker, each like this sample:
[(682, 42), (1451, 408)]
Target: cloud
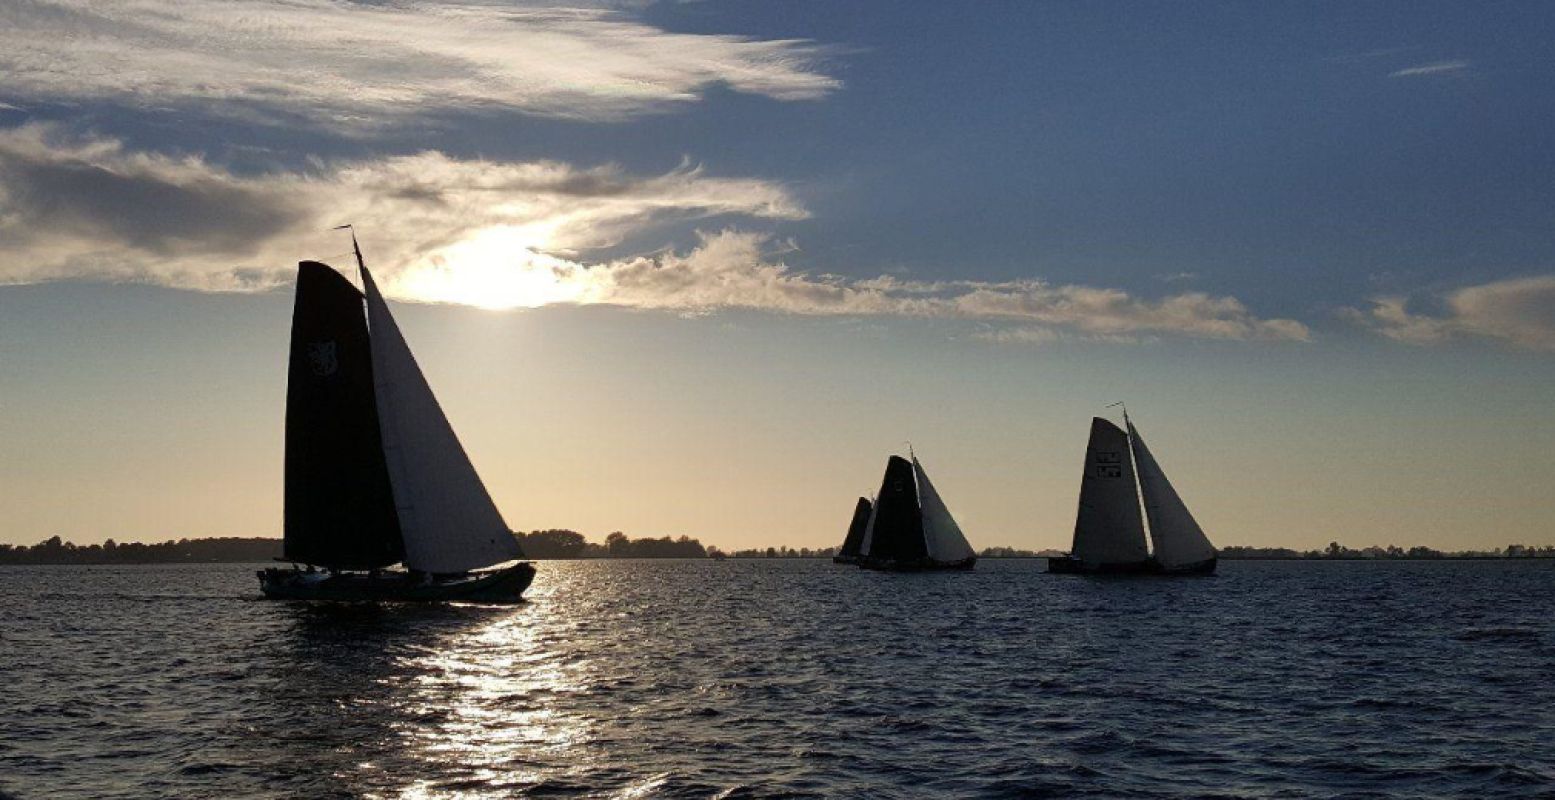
[(89, 208), (1437, 68), (499, 235), (1517, 311), (356, 65)]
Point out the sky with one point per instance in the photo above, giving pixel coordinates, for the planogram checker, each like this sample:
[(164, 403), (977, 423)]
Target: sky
[(700, 267)]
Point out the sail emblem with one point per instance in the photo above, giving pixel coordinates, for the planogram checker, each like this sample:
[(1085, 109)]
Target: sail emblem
[(321, 358), (1109, 464)]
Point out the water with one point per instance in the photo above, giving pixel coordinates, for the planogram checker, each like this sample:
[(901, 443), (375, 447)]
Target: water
[(788, 678)]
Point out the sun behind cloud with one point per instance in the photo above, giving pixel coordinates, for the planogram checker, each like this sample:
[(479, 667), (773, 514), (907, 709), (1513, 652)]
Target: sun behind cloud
[(496, 268)]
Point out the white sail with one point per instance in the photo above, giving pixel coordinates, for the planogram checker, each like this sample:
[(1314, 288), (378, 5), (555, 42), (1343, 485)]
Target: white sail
[(869, 531), (1178, 539), (946, 543), (447, 518), (1108, 528)]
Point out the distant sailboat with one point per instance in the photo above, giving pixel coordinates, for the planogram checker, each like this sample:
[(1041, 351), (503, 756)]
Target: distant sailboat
[(374, 473), (849, 553), (910, 528), (1109, 532)]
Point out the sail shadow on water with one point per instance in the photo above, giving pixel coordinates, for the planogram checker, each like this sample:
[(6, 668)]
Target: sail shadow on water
[(375, 475), (1122, 489)]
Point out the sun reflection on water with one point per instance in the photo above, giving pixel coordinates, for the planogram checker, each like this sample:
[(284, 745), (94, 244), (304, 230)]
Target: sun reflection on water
[(479, 709)]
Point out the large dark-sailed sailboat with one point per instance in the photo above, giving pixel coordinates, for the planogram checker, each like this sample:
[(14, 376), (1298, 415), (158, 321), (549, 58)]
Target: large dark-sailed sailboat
[(374, 473), (909, 528), (1109, 530), (849, 554)]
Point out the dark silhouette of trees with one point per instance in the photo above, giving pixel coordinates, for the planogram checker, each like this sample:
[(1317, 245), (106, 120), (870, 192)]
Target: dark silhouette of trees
[(571, 544), (1338, 552), (554, 543), (620, 545), (182, 551)]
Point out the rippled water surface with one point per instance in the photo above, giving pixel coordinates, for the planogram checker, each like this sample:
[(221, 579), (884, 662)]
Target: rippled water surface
[(788, 678)]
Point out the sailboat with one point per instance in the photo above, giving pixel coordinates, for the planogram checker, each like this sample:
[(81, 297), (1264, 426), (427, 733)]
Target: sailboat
[(375, 476), (909, 528), (855, 538), (1120, 476)]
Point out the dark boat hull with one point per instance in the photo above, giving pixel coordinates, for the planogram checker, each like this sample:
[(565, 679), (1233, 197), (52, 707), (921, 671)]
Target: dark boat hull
[(500, 586), (1068, 565), (844, 559), (919, 565)]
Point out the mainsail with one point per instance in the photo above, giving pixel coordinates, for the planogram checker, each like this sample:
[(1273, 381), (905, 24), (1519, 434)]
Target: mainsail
[(895, 530), (339, 510), (1109, 528), (1178, 539), (448, 520), (946, 543), (855, 537)]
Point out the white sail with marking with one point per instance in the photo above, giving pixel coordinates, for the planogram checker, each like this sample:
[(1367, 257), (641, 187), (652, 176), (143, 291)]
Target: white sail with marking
[(1108, 528), (447, 518), (946, 542), (1178, 539)]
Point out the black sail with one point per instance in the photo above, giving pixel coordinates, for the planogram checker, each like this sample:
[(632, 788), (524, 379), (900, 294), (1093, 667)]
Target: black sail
[(855, 537), (339, 508), (898, 531)]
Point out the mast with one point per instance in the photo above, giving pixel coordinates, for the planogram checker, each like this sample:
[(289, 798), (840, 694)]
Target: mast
[(917, 486), (356, 249), (1139, 488)]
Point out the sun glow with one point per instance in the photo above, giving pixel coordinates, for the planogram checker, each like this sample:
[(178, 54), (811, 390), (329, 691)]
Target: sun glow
[(497, 268)]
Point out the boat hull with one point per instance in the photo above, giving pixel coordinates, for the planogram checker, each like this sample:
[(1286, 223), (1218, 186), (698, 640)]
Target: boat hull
[(1068, 565), (921, 565), (499, 586), (844, 559)]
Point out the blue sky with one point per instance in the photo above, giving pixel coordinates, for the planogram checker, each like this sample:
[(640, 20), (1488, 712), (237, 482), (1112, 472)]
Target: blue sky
[(958, 219)]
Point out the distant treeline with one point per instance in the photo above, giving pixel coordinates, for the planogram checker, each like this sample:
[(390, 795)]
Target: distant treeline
[(559, 543), (183, 551), (828, 552), (1338, 552), (537, 544), (547, 544), (565, 544)]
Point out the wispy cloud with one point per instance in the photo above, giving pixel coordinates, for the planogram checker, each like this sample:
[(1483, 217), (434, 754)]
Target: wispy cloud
[(356, 65), (1518, 311), (498, 234), (1436, 68)]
